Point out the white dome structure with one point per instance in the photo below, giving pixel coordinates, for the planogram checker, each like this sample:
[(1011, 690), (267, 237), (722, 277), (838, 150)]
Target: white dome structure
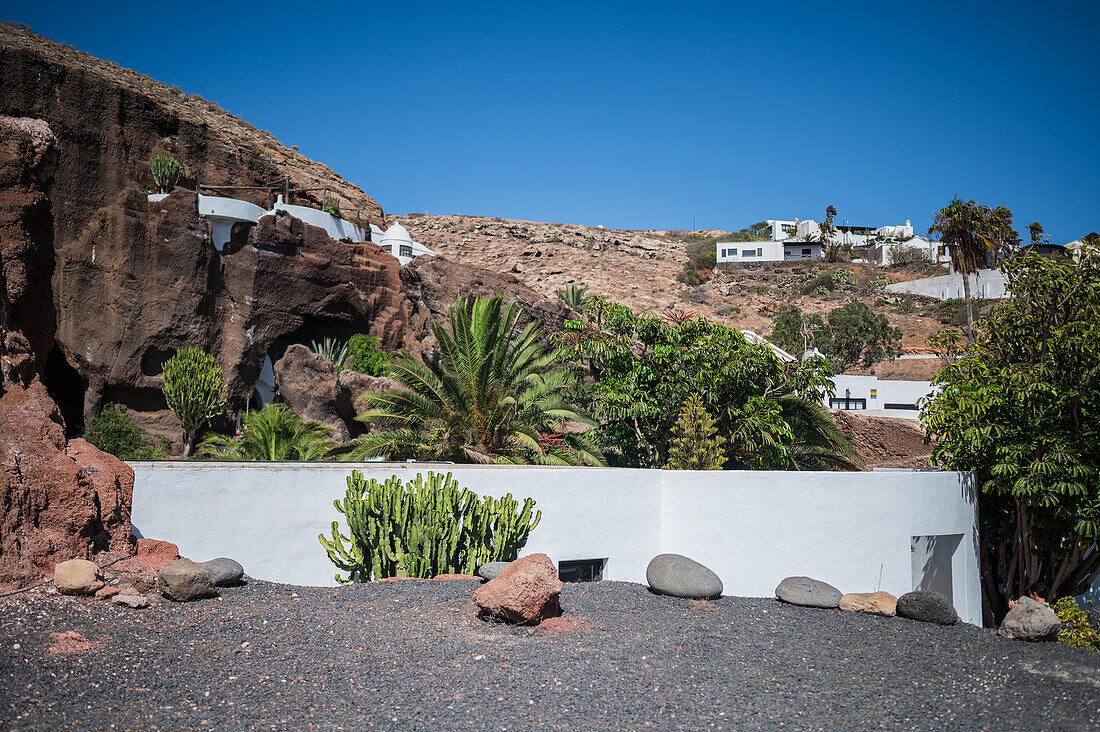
[(397, 241)]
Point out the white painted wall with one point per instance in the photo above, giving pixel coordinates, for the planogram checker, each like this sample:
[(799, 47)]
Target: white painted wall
[(336, 227), (854, 530), (749, 251), (988, 284), (879, 392)]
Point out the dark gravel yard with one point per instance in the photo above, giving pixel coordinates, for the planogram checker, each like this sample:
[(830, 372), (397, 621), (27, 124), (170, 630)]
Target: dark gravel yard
[(412, 655)]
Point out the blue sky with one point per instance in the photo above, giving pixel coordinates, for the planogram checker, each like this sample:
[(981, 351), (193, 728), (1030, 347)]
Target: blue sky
[(648, 115)]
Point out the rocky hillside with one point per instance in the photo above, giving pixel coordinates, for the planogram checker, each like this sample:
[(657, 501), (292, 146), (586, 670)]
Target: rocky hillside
[(641, 269)]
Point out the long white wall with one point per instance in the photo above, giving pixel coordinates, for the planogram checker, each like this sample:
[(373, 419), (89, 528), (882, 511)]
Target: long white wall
[(854, 530), (988, 284)]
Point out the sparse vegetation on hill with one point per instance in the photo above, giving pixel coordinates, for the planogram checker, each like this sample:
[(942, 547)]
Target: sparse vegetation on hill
[(113, 431)]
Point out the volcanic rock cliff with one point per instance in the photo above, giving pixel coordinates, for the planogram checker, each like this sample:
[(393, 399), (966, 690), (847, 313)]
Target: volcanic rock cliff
[(58, 500)]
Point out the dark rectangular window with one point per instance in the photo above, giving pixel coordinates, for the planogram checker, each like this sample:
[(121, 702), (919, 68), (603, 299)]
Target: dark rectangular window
[(581, 570), (805, 253), (892, 405), (406, 250), (847, 403)]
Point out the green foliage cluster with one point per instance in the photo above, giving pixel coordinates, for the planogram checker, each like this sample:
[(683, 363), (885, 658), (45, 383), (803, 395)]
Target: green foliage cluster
[(332, 349), (498, 394), (367, 356), (695, 446), (423, 528), (853, 334), (332, 208), (575, 296), (1021, 408), (1080, 627), (952, 311), (166, 172), (644, 367), (194, 389), (272, 433), (113, 431)]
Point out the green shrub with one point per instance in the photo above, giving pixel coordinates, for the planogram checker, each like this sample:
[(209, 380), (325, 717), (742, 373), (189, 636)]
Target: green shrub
[(818, 285), (195, 391), (1080, 627), (113, 431), (166, 172), (575, 296), (366, 356), (423, 528), (332, 208), (332, 349), (906, 308)]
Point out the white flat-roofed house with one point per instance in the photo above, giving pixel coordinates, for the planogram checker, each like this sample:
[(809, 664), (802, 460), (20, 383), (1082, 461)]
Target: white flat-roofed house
[(878, 397)]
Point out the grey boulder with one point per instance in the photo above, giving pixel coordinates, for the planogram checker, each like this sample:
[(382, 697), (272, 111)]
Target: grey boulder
[(1030, 620), (226, 571), (927, 606), (490, 570), (808, 592), (134, 601), (678, 576), (183, 580)]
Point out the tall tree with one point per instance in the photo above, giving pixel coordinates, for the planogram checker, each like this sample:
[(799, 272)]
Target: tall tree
[(1021, 409), (972, 233), (498, 395)]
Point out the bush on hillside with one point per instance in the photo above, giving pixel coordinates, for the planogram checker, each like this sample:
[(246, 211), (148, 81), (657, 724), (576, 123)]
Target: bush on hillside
[(113, 431), (366, 355)]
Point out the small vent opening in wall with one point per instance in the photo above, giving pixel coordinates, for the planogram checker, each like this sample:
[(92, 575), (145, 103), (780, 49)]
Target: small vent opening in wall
[(581, 570)]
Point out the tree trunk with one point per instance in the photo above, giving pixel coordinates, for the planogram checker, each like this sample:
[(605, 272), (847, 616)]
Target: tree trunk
[(969, 308), (189, 438)]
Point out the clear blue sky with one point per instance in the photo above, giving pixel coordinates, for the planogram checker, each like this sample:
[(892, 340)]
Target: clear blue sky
[(640, 115)]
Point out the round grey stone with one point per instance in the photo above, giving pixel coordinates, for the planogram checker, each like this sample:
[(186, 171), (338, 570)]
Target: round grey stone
[(927, 606), (1031, 620), (808, 592), (490, 570), (226, 571), (679, 576), (183, 580)]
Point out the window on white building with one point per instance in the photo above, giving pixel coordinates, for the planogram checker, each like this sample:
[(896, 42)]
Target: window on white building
[(806, 253), (406, 250), (748, 252)]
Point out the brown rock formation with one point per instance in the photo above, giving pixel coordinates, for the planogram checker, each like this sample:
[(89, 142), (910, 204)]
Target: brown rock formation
[(312, 386), (57, 502), (526, 592), (884, 442)]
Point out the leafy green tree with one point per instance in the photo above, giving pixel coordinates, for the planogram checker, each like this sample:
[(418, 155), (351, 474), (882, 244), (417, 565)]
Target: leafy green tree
[(1037, 234), (195, 391), (643, 366), (858, 335), (973, 234), (695, 446), (497, 396), (113, 431), (272, 433), (575, 296), (1022, 410), (366, 355), (796, 332)]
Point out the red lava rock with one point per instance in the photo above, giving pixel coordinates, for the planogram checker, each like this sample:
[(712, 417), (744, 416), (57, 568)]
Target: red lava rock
[(393, 579), (554, 627), (69, 641), (104, 593), (455, 576), (156, 554), (526, 592)]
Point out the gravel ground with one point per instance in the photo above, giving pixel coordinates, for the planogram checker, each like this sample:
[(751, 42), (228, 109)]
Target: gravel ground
[(412, 655)]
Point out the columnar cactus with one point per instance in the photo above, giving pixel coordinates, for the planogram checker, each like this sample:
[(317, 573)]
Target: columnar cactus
[(424, 528), (166, 172)]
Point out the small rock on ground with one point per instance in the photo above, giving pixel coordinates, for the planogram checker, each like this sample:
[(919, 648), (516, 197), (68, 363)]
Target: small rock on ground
[(77, 577), (927, 606), (490, 570), (184, 580), (134, 601), (226, 571), (808, 592), (680, 576), (874, 603), (1031, 620)]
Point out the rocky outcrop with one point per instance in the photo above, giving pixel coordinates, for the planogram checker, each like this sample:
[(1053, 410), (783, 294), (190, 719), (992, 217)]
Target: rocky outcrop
[(317, 391), (57, 501), (432, 284)]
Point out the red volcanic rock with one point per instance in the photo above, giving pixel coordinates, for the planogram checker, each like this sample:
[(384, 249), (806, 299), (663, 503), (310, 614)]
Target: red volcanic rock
[(56, 504), (526, 592), (154, 554), (455, 576)]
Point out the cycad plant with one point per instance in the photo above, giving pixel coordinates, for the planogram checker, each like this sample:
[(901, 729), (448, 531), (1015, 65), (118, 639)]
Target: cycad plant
[(497, 396), (272, 433)]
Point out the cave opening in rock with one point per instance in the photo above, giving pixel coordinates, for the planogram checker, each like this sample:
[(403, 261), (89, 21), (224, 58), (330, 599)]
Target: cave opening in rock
[(66, 387)]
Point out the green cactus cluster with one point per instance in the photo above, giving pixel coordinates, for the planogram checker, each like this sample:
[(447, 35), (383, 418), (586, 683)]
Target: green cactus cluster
[(423, 528), (166, 172)]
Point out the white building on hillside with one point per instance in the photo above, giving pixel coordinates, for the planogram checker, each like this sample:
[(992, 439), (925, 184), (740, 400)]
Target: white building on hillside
[(793, 240), (397, 241)]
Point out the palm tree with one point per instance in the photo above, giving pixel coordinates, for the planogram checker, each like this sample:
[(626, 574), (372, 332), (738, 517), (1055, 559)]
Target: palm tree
[(971, 232), (272, 433), (497, 396), (575, 296), (818, 442)]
